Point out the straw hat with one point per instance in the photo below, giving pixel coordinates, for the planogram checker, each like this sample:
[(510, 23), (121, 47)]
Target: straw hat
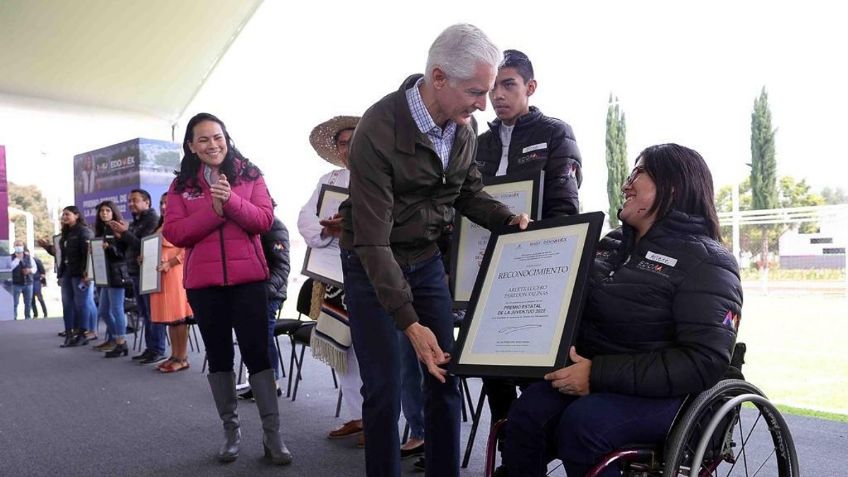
[(322, 136)]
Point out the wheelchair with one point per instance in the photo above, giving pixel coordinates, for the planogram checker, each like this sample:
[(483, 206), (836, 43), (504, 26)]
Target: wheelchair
[(731, 429)]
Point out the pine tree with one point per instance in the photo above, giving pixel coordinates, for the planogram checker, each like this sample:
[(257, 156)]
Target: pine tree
[(616, 155), (763, 165)]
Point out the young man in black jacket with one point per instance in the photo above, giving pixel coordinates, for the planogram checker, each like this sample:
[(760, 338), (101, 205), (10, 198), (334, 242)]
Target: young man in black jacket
[(523, 140), (145, 220)]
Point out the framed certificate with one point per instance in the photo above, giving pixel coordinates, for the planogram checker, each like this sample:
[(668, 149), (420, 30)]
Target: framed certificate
[(149, 278), (89, 264), (325, 264), (527, 300), (57, 252), (99, 268), (522, 194)]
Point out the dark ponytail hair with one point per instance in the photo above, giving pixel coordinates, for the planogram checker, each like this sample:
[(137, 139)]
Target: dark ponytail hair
[(235, 166)]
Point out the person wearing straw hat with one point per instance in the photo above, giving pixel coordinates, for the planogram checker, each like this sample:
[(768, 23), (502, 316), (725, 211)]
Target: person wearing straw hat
[(411, 167), (330, 139)]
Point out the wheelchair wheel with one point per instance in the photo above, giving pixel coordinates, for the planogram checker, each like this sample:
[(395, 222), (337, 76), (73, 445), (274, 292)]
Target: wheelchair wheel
[(731, 430)]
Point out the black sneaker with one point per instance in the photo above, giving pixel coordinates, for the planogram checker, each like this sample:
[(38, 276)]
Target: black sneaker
[(247, 395), (153, 358), (420, 465), (146, 354)]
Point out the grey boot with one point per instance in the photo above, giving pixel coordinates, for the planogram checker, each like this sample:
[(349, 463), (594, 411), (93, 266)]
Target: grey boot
[(223, 387), (265, 393)]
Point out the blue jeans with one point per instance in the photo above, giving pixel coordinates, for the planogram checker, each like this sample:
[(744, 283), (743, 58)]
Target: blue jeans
[(412, 391), (111, 311), (274, 304), (545, 424), (378, 351), (27, 292), (154, 333), (78, 304)]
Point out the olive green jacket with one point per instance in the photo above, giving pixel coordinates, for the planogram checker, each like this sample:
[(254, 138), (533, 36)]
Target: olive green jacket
[(401, 197)]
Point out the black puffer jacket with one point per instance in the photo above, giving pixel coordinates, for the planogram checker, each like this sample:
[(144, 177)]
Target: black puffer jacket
[(660, 316), (141, 226), (538, 143), (275, 244), (74, 245), (116, 261)]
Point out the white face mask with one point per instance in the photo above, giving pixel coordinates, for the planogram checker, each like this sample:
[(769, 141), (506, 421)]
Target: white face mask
[(19, 250)]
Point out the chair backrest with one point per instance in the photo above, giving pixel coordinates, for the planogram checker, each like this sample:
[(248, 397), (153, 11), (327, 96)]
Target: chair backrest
[(304, 298)]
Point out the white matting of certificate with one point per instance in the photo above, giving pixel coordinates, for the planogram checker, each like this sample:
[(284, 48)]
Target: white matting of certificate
[(525, 308), (324, 264), (98, 263), (149, 278), (528, 294), (57, 252), (473, 238)]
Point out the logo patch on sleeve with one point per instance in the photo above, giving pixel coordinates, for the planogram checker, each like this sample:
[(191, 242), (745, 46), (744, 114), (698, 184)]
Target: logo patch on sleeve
[(534, 147), (656, 257), (730, 320)]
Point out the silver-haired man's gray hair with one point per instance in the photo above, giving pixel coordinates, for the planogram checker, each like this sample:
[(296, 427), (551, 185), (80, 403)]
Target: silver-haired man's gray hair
[(458, 50)]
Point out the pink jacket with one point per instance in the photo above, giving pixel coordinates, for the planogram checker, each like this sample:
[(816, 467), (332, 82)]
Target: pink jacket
[(224, 250)]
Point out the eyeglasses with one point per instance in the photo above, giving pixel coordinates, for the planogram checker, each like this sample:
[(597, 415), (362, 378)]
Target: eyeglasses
[(633, 175)]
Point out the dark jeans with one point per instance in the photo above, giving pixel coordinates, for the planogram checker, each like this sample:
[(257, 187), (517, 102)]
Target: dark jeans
[(78, 304), (544, 424), (378, 351), (36, 295), (274, 304), (154, 333), (219, 310)]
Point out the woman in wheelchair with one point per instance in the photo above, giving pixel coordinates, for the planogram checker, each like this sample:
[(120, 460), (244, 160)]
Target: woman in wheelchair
[(659, 324)]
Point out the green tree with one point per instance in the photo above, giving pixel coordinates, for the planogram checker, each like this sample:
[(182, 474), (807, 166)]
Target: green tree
[(29, 199), (834, 196), (616, 154), (791, 193), (763, 165)]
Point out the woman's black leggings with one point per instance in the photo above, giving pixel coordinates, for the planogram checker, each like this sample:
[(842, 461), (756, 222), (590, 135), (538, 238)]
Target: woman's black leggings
[(219, 310)]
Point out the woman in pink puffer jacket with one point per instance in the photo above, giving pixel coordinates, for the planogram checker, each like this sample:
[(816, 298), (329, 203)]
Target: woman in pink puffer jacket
[(217, 207)]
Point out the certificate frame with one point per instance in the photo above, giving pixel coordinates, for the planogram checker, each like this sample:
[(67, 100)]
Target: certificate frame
[(318, 263), (484, 347), (149, 277), (465, 251), (97, 263), (57, 252)]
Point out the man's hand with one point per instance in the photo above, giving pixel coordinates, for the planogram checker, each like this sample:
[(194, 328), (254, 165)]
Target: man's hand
[(573, 379), (118, 227), (427, 348), (43, 243), (332, 227), (522, 220)]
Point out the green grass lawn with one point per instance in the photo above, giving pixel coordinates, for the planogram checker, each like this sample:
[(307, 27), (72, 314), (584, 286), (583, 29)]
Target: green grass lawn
[(797, 351)]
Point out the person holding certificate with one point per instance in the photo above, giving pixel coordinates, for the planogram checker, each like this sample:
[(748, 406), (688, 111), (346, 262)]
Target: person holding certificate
[(77, 293), (169, 306), (523, 140), (659, 323), (110, 306), (217, 207), (331, 140), (411, 166)]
